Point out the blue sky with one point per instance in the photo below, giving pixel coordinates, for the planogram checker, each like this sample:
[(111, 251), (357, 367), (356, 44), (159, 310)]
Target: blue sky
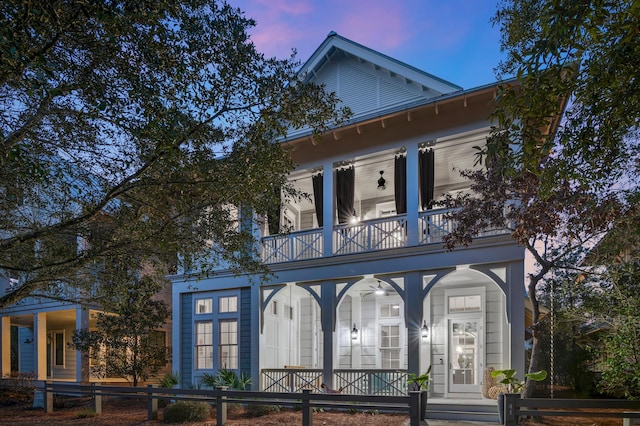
[(452, 39)]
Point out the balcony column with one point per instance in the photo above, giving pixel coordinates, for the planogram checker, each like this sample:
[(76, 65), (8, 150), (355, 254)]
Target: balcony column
[(5, 347), (413, 197), (83, 373), (40, 345), (515, 303), (328, 209)]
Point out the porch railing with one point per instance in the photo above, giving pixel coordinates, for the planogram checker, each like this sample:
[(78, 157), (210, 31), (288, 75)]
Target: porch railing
[(294, 246), (371, 382), (291, 379), (365, 236), (377, 234), (353, 382)]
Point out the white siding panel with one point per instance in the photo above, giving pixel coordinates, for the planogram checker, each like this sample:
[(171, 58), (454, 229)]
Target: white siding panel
[(358, 89)]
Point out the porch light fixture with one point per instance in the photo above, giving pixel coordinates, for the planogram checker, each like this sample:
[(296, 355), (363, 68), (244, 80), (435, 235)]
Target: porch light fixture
[(424, 331), (354, 219), (380, 291), (382, 183), (354, 333)]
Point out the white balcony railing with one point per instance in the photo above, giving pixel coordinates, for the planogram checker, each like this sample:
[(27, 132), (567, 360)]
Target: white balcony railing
[(294, 246), (377, 234), (365, 236)]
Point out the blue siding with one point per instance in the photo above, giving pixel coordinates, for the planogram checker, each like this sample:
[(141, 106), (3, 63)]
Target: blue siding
[(26, 350), (245, 330), (186, 338)]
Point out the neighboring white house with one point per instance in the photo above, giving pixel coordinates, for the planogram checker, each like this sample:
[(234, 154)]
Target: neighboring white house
[(363, 291)]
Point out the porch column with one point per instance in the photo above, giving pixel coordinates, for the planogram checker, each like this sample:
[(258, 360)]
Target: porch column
[(40, 345), (83, 373), (413, 318), (5, 346), (328, 321), (413, 201), (255, 339), (327, 209), (515, 304)]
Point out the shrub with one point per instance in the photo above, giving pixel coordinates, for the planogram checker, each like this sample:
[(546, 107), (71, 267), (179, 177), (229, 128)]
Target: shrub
[(86, 413), (186, 411), (225, 377), (257, 410), (170, 380)]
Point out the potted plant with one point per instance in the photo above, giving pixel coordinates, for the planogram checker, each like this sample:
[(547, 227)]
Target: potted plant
[(513, 385), (420, 383)]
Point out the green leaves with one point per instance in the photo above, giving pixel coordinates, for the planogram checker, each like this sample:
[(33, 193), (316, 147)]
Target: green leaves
[(137, 124)]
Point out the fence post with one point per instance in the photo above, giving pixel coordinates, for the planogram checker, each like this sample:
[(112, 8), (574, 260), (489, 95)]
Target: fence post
[(48, 397), (96, 398), (221, 405), (307, 415), (510, 416), (414, 408), (152, 404)]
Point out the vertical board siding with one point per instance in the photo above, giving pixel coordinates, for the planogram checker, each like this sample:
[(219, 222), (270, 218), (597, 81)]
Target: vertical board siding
[(245, 331), (186, 338)]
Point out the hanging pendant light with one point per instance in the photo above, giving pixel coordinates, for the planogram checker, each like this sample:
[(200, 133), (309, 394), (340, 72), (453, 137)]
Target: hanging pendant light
[(380, 291), (354, 332), (382, 183), (424, 331)]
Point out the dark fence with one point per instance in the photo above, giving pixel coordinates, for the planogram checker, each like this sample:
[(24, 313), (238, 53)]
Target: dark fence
[(306, 401), (516, 407)]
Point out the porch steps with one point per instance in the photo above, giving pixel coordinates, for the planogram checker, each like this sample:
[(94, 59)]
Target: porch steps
[(463, 410)]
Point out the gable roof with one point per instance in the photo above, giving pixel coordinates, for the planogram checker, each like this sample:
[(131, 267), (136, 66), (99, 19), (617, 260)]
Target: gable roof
[(368, 82), (335, 44)]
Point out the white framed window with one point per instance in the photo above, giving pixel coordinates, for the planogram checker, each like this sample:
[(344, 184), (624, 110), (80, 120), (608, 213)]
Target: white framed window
[(228, 346), (464, 303), (389, 310), (228, 304), (204, 306), (390, 349), (204, 345)]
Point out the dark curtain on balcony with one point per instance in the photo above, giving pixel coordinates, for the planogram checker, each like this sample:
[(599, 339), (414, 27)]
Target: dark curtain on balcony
[(426, 164), (273, 215), (318, 194), (400, 184), (345, 191)]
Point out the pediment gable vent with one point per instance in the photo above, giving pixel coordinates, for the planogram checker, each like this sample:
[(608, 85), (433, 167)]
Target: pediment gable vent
[(366, 89)]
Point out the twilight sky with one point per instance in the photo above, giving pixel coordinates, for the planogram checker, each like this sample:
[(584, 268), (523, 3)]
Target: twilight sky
[(452, 39)]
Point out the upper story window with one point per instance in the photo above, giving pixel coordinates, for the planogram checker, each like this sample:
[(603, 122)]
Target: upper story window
[(204, 306), (228, 304)]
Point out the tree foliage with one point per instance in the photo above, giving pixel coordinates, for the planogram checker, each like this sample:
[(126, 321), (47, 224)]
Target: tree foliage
[(125, 342), (562, 163), (138, 126)]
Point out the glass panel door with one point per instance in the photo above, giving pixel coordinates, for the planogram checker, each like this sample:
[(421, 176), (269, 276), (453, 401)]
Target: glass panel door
[(464, 355)]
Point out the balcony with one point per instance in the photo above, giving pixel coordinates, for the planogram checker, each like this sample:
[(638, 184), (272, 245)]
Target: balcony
[(366, 236)]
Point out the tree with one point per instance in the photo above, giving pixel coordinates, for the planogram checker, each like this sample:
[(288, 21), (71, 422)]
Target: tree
[(134, 127), (128, 341), (562, 162)]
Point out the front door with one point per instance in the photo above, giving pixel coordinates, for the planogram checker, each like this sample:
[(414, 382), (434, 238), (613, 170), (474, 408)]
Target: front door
[(464, 355)]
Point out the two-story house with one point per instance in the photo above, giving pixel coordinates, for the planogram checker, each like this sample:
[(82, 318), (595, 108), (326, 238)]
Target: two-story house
[(363, 291)]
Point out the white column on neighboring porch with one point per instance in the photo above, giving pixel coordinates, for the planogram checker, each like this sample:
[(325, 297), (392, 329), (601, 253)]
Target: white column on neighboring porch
[(82, 360), (413, 198), (328, 209), (40, 345), (5, 346), (356, 345)]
